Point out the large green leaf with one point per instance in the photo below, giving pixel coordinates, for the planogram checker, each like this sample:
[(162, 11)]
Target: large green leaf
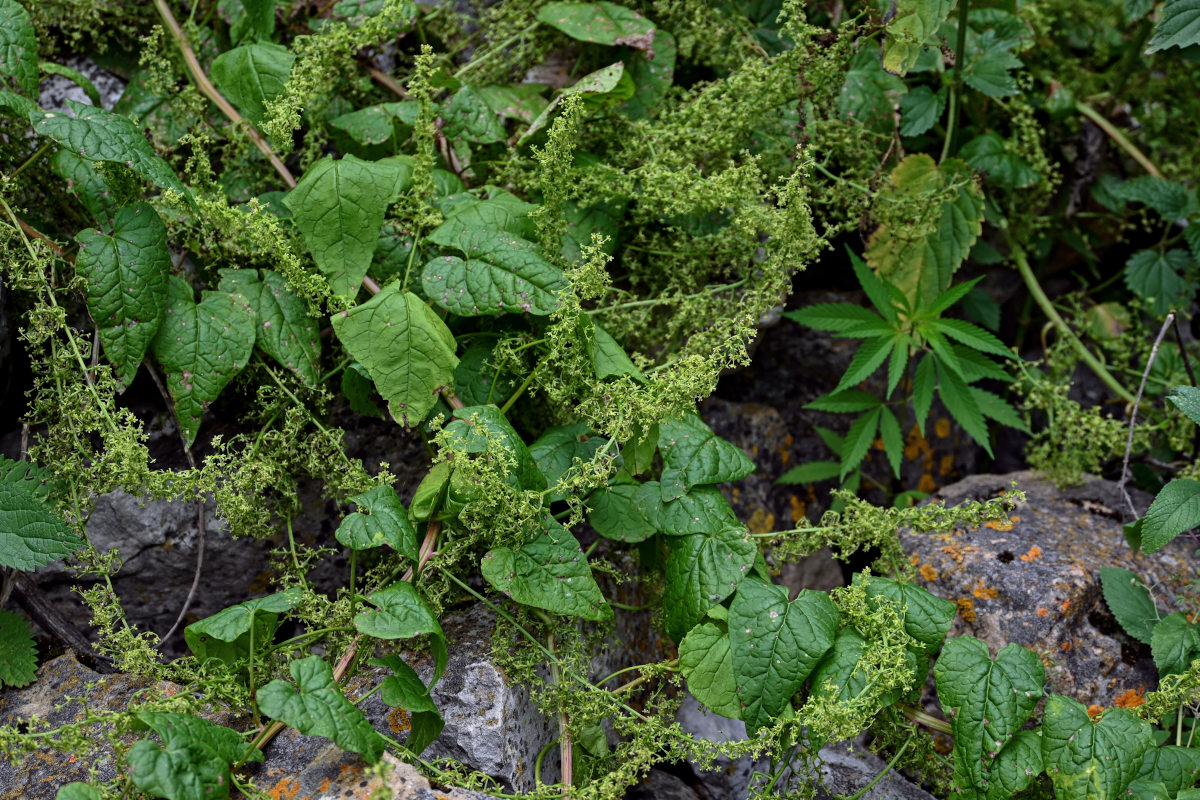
[(775, 645), (1171, 199), (502, 273), (100, 135), (869, 94), (504, 213), (226, 635), (1175, 643), (693, 455), (475, 426), (381, 519), (468, 117), (1187, 400), (608, 357), (701, 510), (338, 206), (707, 665), (616, 512), (283, 328), (201, 347), (31, 535), (18, 49), (702, 570), (920, 248), (401, 613), (548, 572), (404, 689), (988, 701), (926, 618), (915, 23), (1176, 508), (601, 22), (18, 653), (126, 273), (1089, 759), (250, 19), (85, 182), (1178, 26), (1160, 278), (318, 708), (193, 761), (252, 75), (559, 448), (1130, 601), (840, 676), (1175, 767), (652, 72), (405, 346), (378, 124)]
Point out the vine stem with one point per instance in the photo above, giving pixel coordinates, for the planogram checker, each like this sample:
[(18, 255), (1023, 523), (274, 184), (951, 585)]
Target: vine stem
[(1115, 134), (890, 766), (1039, 296), (928, 720), (1162, 333), (960, 58), (208, 90)]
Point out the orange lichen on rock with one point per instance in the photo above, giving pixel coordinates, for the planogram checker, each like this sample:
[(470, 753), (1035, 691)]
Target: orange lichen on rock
[(799, 508), (1094, 711), (1043, 612), (928, 572), (966, 608), (286, 789), (985, 592), (761, 521), (946, 466), (942, 427), (926, 484), (1065, 605), (956, 551), (1132, 698), (1034, 553)]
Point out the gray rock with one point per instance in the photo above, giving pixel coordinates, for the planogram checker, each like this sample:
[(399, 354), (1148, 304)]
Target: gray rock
[(846, 769), (1035, 581), (660, 785), (56, 89), (732, 777)]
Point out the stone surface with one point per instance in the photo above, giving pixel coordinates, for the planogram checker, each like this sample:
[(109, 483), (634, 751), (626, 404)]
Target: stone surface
[(846, 769), (56, 89), (660, 785), (334, 774), (1035, 580)]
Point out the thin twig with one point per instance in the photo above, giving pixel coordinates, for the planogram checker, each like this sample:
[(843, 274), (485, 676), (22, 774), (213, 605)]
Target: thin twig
[(1115, 134), (1187, 365), (388, 82), (1162, 332)]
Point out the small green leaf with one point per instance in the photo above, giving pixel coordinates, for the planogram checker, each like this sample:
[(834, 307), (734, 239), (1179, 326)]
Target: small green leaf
[(1187, 400), (18, 653), (126, 273), (892, 438), (994, 407), (252, 75), (468, 117), (474, 426), (1160, 278), (505, 213), (404, 689), (608, 357), (1178, 26), (548, 572), (381, 519), (1175, 642), (869, 94), (1016, 766), (987, 153), (479, 378), (924, 382), (1088, 759), (255, 19), (693, 455), (431, 491), (1129, 600), (839, 677), (915, 23), (615, 511), (405, 346), (961, 404), (193, 761), (846, 401), (319, 708), (926, 618), (988, 72), (859, 439), (31, 535), (202, 347), (558, 449), (652, 72), (100, 135), (18, 49), (283, 328), (85, 182), (1175, 509), (378, 124), (77, 791), (1169, 198), (601, 82), (229, 624), (835, 317), (920, 110), (707, 665), (702, 570), (775, 645), (502, 274), (701, 510)]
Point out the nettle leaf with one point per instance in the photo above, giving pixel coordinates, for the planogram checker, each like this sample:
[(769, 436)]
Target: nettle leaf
[(926, 618), (868, 95), (987, 71), (100, 135), (600, 22), (338, 205), (916, 22), (18, 49), (775, 645), (18, 653), (401, 613), (381, 519), (838, 676), (201, 347), (1160, 278), (1178, 26), (1175, 642), (1176, 508), (252, 75), (1129, 600), (693, 455), (557, 450), (474, 426), (284, 330), (1175, 767), (503, 273), (548, 572), (31, 534), (615, 511), (404, 689), (987, 154), (319, 708), (28, 476), (989, 701), (126, 273), (468, 117), (1187, 400), (921, 253), (707, 665), (702, 570), (1169, 198), (405, 346), (920, 110), (193, 761), (1092, 759)]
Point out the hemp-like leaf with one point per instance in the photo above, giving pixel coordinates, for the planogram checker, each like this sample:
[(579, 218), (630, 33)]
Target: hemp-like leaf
[(405, 346), (501, 274), (693, 455), (126, 274), (548, 572), (201, 347), (702, 570), (18, 653), (18, 49), (1089, 759), (31, 534), (193, 761), (381, 519), (317, 707), (283, 328)]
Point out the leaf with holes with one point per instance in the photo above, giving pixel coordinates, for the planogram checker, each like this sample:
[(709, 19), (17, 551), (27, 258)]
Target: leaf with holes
[(548, 572), (18, 49), (252, 75), (775, 645), (693, 456), (31, 534), (702, 570), (601, 22), (502, 273), (283, 328), (406, 348), (317, 707), (18, 653), (381, 519), (1085, 758), (615, 511), (201, 347)]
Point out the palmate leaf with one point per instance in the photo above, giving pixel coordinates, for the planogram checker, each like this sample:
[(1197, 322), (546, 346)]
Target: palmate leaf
[(869, 357), (1091, 759), (892, 438), (252, 75), (31, 535), (18, 49), (924, 382), (317, 707), (1130, 602), (381, 519), (201, 347), (548, 572), (502, 274), (693, 455), (193, 761), (1160, 278), (960, 402), (702, 570), (846, 401), (18, 653), (1179, 26), (405, 346), (993, 406), (126, 273), (283, 328), (775, 645), (858, 440), (835, 317)]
